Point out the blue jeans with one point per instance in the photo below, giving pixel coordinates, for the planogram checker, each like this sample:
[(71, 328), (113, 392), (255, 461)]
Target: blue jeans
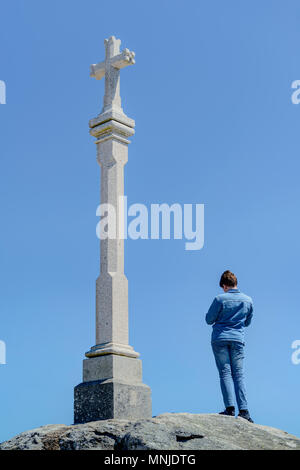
[(229, 356)]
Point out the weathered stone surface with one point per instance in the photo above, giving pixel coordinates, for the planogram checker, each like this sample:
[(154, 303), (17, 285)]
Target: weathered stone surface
[(168, 431), (111, 399)]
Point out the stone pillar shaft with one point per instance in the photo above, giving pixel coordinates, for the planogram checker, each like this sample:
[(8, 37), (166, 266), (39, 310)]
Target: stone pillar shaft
[(112, 188), (112, 285)]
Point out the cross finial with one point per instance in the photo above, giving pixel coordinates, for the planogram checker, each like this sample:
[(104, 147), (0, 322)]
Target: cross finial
[(114, 61)]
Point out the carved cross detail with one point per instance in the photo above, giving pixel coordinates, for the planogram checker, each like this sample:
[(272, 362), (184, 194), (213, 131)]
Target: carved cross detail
[(110, 68)]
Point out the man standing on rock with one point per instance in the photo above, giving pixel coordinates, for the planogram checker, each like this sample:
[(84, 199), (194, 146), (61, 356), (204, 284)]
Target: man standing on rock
[(229, 314)]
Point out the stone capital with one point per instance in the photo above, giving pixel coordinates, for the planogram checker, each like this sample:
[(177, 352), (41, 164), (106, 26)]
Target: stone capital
[(112, 131), (113, 114)]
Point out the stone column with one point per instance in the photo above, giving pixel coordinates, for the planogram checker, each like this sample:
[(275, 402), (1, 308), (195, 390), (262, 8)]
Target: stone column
[(112, 384)]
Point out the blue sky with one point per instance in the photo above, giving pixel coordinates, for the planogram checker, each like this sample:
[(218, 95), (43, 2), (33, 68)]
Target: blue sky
[(211, 96)]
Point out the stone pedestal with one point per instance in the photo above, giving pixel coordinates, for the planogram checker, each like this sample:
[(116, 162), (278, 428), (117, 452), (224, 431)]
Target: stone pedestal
[(112, 388)]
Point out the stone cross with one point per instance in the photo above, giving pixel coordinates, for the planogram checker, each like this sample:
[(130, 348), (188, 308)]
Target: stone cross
[(112, 373), (114, 61)]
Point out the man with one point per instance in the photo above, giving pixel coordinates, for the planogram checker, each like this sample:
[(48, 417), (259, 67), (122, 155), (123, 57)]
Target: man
[(229, 314)]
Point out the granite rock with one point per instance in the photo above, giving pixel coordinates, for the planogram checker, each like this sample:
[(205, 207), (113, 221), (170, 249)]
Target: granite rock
[(170, 431)]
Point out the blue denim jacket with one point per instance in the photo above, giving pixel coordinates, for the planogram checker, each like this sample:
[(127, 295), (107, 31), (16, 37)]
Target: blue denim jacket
[(229, 314)]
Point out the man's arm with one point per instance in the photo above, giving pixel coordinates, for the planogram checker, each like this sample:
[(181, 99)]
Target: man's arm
[(213, 312), (249, 316)]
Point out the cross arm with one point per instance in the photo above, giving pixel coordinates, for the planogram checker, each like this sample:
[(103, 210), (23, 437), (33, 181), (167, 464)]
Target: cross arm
[(126, 57), (119, 61), (97, 70)]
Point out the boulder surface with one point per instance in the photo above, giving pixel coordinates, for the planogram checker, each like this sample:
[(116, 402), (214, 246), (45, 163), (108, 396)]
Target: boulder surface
[(169, 431)]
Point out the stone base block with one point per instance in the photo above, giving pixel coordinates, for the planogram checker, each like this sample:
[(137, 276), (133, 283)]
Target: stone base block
[(111, 366), (111, 399)]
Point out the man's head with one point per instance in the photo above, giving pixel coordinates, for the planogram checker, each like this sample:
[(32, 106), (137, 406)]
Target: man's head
[(228, 281)]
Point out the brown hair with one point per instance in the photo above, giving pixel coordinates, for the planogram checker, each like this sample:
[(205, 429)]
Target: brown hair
[(228, 279)]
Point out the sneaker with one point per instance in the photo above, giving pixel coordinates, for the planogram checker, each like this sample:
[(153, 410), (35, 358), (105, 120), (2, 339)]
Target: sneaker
[(246, 415), (230, 411)]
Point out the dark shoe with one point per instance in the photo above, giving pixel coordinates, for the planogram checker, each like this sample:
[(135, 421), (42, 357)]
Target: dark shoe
[(246, 415), (230, 411)]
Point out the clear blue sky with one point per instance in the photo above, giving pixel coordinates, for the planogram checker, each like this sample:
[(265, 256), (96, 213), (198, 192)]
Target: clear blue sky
[(211, 96)]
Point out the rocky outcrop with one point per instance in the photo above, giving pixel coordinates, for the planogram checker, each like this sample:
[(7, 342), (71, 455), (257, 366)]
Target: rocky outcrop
[(169, 431)]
